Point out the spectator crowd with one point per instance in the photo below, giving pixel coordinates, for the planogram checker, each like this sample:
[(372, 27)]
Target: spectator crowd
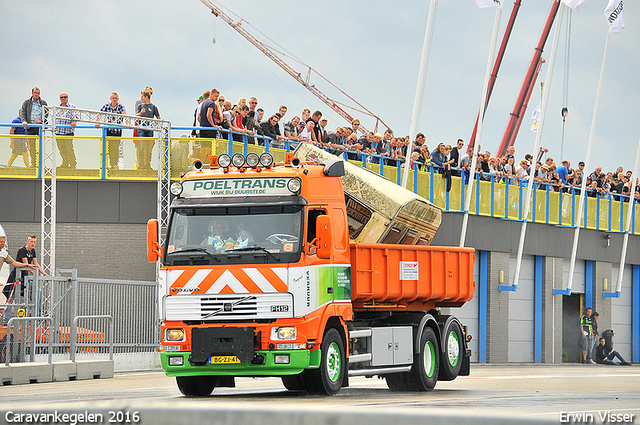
[(217, 117)]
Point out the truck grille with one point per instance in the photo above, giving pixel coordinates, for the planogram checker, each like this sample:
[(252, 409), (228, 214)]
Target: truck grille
[(221, 307)]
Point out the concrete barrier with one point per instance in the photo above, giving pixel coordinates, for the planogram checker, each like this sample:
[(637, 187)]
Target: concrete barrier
[(5, 374), (31, 373), (64, 371), (94, 369)]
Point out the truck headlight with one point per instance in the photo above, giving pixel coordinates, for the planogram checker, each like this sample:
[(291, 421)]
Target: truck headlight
[(176, 361), (266, 160), (294, 186), (284, 333), (253, 160), (176, 188), (238, 160), (281, 359), (224, 160), (174, 335)]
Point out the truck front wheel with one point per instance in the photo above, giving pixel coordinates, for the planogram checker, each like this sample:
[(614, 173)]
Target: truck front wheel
[(293, 382), (328, 378), (196, 386)]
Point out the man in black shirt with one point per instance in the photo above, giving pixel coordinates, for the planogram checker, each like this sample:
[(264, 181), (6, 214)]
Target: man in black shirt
[(317, 129), (27, 255)]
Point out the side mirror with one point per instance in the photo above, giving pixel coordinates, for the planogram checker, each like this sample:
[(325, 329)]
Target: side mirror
[(154, 250), (323, 234)]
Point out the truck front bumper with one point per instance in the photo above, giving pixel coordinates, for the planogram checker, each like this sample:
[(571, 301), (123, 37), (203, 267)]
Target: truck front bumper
[(262, 364)]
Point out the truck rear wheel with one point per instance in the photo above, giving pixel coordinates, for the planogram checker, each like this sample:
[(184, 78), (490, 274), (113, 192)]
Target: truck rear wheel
[(451, 362), (327, 379), (196, 386), (424, 373)]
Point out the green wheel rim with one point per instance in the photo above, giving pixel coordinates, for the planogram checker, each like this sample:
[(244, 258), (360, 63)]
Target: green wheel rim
[(453, 348), (428, 359), (334, 362)]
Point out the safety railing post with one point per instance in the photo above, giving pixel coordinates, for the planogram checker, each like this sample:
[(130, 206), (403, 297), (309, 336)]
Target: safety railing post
[(103, 164), (19, 339), (40, 151), (74, 334)]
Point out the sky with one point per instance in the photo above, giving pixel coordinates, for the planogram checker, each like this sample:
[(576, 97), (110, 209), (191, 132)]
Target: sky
[(371, 50)]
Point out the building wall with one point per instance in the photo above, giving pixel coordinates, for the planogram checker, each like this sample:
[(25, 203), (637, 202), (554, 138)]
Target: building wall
[(101, 231), (97, 250)]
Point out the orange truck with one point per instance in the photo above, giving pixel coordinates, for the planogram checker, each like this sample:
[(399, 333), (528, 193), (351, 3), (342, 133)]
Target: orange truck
[(282, 270)]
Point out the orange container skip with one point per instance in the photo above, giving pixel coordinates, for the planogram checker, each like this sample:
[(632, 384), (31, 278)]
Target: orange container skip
[(410, 277)]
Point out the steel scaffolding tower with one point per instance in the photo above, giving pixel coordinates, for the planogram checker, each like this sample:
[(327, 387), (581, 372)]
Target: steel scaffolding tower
[(48, 158)]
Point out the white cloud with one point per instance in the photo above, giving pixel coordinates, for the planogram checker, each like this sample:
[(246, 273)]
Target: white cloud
[(371, 50)]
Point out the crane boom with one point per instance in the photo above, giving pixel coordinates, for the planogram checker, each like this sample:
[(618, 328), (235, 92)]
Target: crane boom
[(498, 62), (515, 119), (271, 54)]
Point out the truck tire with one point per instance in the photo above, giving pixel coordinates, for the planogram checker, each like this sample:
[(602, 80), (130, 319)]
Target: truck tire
[(424, 373), (397, 381), (453, 349), (196, 386), (293, 382), (327, 379)]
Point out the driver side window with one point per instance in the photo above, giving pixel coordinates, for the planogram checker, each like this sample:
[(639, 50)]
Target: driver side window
[(311, 222)]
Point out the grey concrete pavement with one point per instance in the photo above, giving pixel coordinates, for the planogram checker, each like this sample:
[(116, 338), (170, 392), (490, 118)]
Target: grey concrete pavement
[(511, 393)]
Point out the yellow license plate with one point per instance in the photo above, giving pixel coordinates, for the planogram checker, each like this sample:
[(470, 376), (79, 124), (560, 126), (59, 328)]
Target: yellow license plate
[(223, 359)]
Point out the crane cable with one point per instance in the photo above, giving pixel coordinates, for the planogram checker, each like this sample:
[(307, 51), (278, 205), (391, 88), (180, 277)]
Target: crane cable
[(287, 54), (565, 82)]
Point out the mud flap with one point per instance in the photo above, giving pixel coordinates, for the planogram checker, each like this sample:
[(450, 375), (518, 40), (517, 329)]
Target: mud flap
[(466, 363)]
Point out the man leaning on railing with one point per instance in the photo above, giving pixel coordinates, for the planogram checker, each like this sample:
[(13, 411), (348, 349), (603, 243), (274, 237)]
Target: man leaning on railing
[(32, 112)]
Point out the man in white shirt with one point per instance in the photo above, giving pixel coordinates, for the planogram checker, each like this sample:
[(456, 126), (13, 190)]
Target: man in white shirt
[(305, 135), (282, 111)]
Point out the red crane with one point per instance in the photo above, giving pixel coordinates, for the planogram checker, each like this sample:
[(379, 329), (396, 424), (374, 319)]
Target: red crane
[(515, 120), (274, 56), (496, 66)]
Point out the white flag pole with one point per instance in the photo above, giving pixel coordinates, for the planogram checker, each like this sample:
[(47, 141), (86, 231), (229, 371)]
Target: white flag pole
[(630, 212), (583, 191), (476, 148), (536, 146), (422, 76)]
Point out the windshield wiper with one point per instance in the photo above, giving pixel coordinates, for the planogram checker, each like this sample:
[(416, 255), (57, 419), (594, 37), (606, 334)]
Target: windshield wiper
[(253, 248), (198, 250)]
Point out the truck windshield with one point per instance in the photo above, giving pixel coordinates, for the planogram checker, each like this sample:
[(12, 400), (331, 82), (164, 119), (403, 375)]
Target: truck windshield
[(235, 234)]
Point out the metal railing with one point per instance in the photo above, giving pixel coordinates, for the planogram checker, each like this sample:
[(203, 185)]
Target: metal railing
[(22, 340), (491, 197), (117, 316)]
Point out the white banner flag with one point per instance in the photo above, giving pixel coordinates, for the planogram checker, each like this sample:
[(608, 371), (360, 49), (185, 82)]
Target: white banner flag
[(573, 3), (536, 118), (613, 15), (481, 4)]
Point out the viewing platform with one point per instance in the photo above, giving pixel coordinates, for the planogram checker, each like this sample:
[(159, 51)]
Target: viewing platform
[(492, 196)]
